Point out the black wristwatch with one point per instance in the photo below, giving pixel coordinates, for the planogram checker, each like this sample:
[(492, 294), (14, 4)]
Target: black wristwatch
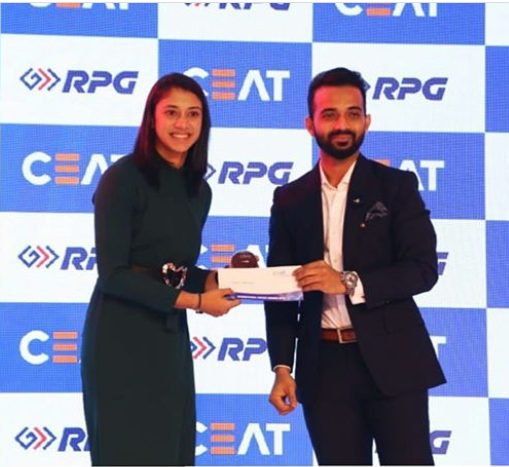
[(349, 279)]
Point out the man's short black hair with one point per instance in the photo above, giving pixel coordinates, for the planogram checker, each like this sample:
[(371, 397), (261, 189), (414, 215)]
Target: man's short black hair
[(336, 77)]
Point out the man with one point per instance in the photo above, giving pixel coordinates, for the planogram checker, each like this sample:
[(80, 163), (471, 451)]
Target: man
[(364, 237)]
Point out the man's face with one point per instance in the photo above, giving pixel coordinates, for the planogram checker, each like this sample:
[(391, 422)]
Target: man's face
[(339, 122)]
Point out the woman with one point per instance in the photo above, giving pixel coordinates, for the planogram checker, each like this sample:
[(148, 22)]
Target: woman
[(150, 208)]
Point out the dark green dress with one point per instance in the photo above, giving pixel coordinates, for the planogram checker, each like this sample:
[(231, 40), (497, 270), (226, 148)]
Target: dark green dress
[(137, 368)]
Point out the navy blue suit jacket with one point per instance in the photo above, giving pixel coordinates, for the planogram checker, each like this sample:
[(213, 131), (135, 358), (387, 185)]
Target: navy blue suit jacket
[(392, 246)]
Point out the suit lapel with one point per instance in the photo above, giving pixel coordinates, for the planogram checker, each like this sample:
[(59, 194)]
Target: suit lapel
[(362, 192), (310, 209)]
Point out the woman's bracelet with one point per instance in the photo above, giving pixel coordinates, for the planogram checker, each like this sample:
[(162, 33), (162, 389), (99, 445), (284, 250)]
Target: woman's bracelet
[(197, 309)]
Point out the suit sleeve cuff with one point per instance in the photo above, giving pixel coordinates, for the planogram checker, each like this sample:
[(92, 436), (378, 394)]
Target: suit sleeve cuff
[(281, 366)]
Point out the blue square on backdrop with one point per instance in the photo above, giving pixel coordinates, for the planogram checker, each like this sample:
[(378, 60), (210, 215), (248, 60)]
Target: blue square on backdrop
[(30, 358), (248, 84), (459, 337), (499, 432), (497, 267), (30, 180), (438, 160), (81, 19), (403, 23), (235, 429), (234, 233), (497, 89)]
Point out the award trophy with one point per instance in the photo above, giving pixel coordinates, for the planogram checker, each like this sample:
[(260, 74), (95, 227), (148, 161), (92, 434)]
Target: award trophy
[(243, 259)]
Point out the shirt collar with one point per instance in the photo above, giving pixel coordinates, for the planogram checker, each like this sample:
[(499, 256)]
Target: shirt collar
[(345, 180)]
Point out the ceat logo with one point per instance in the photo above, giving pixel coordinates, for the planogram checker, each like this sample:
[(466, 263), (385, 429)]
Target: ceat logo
[(62, 347), (220, 254), (419, 10), (226, 84), (65, 168), (83, 6), (227, 440), (426, 171), (438, 341)]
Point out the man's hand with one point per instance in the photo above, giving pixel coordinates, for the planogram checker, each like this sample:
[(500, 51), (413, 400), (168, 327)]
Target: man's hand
[(319, 276), (283, 395)]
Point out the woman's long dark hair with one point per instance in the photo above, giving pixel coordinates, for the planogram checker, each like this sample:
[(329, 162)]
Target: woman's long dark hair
[(144, 152)]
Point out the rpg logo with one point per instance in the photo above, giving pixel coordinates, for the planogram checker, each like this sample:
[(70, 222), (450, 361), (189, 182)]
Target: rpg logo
[(440, 441), (420, 10), (80, 81), (75, 257), (63, 347), (239, 173), (231, 348), (240, 6), (222, 83), (38, 256), (65, 168), (433, 89), (35, 438), (71, 439), (442, 261)]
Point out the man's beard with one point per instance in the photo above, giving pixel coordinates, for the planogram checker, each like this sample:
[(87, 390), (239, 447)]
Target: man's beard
[(326, 145)]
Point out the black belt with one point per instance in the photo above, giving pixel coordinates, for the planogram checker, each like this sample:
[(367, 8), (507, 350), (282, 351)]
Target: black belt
[(168, 273), (152, 272)]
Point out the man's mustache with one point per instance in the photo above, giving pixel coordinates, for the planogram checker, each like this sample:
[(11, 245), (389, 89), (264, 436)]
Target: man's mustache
[(341, 132)]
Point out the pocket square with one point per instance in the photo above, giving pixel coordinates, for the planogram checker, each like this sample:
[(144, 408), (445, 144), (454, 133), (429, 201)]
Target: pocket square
[(378, 210)]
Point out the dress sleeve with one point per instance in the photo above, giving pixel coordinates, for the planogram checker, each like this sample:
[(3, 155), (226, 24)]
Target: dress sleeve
[(115, 203), (280, 317), (196, 278), (195, 282)]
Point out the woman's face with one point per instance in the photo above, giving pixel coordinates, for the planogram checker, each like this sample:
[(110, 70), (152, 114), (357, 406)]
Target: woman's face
[(178, 119)]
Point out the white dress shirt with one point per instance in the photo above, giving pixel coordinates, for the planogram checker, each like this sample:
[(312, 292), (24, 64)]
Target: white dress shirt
[(335, 313)]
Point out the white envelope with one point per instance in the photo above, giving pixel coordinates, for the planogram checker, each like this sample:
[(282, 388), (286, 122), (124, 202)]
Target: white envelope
[(272, 284)]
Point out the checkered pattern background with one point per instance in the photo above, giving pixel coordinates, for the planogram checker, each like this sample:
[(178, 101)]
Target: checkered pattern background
[(73, 82)]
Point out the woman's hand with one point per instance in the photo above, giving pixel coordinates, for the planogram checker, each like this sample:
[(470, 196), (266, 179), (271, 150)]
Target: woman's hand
[(218, 302), (211, 281)]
